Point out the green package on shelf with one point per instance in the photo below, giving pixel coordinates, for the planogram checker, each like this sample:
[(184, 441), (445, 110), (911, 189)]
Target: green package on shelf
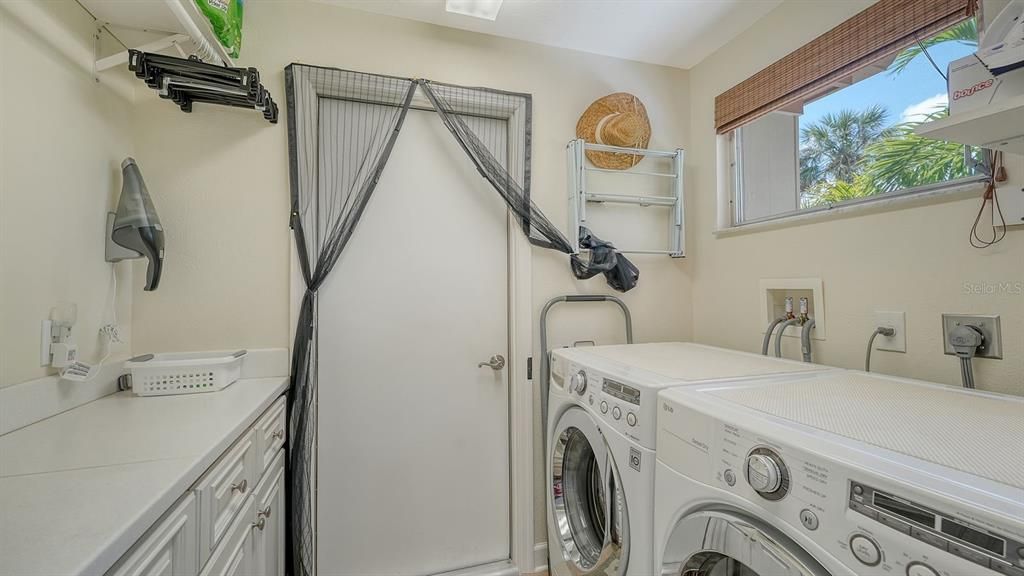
[(225, 18)]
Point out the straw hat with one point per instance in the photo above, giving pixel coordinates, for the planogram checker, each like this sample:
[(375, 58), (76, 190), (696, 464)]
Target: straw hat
[(618, 119)]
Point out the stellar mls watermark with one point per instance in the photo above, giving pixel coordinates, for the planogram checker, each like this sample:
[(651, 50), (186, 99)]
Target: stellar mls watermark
[(985, 288)]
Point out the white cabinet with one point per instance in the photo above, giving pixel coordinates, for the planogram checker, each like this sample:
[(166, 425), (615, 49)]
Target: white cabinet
[(269, 532), (232, 521), (169, 548), (270, 432), (223, 490), (235, 556)]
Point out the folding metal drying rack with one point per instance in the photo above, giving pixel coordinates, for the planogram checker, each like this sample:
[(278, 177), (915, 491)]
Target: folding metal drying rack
[(579, 196)]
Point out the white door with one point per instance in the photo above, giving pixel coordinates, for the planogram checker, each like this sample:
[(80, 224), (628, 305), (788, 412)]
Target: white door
[(413, 453)]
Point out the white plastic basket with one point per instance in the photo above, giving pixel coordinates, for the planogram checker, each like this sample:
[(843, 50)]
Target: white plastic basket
[(184, 372)]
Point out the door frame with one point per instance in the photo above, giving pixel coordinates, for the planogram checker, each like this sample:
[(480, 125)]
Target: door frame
[(520, 385)]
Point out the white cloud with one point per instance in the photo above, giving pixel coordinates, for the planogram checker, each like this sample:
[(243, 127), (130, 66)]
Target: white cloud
[(921, 110)]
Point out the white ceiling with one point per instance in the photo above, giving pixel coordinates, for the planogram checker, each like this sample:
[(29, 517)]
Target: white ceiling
[(676, 33)]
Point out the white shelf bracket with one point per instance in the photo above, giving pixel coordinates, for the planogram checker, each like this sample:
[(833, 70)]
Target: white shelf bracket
[(121, 58)]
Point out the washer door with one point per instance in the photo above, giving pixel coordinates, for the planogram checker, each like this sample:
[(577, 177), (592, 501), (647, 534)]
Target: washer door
[(722, 541), (589, 506)]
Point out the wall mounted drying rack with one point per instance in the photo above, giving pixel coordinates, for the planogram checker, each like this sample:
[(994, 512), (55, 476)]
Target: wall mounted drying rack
[(579, 196)]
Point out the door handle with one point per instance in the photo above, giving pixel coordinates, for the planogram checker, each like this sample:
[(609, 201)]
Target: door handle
[(497, 362)]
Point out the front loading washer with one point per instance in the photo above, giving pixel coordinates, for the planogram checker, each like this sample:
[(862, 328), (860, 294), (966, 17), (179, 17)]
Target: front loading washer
[(600, 446), (841, 473)]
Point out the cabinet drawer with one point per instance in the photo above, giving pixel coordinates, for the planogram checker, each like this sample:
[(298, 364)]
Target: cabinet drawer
[(234, 556), (224, 489), (271, 430), (169, 548)]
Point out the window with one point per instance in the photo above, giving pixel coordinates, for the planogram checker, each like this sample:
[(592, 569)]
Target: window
[(853, 138)]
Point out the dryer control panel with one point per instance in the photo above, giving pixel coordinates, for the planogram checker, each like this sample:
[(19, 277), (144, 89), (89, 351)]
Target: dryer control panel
[(873, 523), (625, 406)]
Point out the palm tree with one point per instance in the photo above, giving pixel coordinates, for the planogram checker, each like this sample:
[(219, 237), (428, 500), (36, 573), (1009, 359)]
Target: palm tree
[(834, 149), (905, 160), (853, 154), (966, 33)]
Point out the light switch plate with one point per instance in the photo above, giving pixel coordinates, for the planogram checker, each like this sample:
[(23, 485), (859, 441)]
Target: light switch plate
[(989, 326), (898, 322)]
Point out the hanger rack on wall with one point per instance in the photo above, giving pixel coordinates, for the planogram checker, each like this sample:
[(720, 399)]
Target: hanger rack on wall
[(186, 81), (579, 195)]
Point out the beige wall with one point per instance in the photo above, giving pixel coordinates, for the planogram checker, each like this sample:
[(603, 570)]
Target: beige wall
[(220, 176), (62, 139), (915, 259), (220, 180)]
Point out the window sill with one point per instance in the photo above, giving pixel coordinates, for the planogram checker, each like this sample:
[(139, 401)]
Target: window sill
[(863, 207)]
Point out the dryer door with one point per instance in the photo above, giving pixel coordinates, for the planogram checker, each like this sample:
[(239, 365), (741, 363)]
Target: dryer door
[(723, 541), (588, 502)]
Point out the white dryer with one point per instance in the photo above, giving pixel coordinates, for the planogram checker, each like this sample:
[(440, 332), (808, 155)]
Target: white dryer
[(600, 444), (842, 473)]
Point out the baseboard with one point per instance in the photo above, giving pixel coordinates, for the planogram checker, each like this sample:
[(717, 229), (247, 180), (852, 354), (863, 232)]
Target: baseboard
[(540, 559)]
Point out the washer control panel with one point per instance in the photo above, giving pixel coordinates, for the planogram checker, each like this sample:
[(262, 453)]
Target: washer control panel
[(871, 523), (944, 531)]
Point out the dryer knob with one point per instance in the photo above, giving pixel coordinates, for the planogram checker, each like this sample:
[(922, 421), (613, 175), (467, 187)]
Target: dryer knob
[(767, 474), (579, 382)]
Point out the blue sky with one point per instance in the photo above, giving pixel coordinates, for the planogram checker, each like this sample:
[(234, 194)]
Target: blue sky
[(919, 88)]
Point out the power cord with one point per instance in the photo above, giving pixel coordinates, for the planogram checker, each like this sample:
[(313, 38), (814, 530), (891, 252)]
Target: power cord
[(884, 331), (998, 174), (966, 340)]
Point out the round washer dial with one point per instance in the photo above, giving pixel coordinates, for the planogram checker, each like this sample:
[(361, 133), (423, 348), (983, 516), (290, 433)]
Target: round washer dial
[(579, 382), (767, 473)]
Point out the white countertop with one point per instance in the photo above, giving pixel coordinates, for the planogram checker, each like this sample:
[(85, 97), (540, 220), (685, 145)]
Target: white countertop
[(78, 489)]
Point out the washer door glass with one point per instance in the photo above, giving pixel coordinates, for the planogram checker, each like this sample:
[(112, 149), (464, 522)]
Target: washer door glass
[(589, 506), (721, 541)]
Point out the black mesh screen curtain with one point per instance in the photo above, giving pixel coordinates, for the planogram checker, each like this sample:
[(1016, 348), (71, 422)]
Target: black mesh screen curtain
[(333, 178)]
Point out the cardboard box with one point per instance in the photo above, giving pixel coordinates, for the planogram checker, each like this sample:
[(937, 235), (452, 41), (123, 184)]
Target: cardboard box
[(972, 86)]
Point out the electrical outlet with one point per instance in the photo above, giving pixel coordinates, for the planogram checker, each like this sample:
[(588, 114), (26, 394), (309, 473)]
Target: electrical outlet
[(898, 322), (989, 326)]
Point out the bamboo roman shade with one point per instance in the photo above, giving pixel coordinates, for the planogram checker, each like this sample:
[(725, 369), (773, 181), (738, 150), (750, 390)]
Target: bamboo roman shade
[(881, 30)]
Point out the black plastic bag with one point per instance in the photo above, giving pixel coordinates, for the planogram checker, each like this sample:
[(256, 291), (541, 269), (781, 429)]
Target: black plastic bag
[(620, 273)]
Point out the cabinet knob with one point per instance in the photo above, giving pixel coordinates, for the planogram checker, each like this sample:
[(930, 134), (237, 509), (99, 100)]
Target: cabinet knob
[(260, 524), (240, 486), (279, 434), (265, 513)]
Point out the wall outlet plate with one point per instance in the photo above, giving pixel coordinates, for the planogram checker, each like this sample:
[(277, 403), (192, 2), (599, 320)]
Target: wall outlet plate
[(989, 326), (45, 339), (898, 322)]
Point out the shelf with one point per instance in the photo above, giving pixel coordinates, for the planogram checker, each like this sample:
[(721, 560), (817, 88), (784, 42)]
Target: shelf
[(998, 126), (176, 21)]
